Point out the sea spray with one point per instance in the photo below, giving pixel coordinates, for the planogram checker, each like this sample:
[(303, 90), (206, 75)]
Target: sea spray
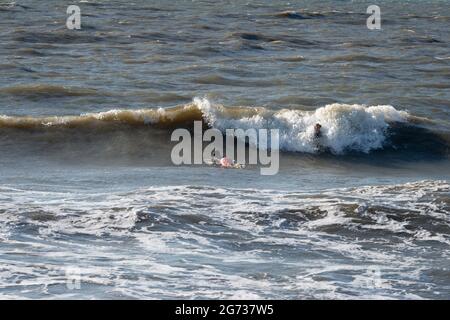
[(344, 127)]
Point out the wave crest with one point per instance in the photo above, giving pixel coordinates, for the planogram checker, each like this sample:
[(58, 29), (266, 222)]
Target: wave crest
[(344, 127)]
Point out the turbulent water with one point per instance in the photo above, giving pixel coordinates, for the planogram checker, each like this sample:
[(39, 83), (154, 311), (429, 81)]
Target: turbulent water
[(91, 205)]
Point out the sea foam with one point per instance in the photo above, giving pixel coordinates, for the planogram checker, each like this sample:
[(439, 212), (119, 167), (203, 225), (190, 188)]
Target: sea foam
[(344, 127)]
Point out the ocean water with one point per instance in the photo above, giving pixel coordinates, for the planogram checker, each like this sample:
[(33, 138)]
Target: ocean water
[(92, 207)]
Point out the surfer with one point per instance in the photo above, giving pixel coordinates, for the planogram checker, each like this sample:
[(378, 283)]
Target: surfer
[(224, 162), (317, 132), (317, 136)]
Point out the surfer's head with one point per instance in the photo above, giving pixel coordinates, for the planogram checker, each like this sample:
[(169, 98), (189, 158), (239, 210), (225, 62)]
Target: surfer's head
[(317, 128)]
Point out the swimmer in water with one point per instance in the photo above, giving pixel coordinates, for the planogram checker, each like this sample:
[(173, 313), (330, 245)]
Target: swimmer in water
[(317, 132), (317, 136), (225, 162)]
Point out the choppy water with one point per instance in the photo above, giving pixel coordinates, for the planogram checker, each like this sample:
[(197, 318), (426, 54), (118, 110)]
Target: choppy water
[(88, 191)]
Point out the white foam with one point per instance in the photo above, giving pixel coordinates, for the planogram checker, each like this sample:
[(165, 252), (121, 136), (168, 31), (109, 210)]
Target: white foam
[(129, 257), (344, 127)]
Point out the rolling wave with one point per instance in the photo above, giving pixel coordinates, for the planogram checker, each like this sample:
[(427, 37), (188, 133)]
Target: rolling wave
[(345, 128)]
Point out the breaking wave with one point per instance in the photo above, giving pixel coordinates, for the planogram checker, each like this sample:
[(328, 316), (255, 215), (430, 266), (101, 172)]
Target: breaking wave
[(345, 128)]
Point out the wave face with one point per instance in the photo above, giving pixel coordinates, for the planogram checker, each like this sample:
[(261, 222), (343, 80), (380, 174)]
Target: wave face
[(345, 128), (171, 118)]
